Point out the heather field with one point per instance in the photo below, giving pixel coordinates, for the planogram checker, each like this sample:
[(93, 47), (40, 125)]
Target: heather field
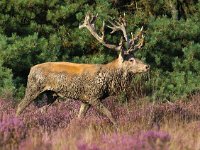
[(141, 125)]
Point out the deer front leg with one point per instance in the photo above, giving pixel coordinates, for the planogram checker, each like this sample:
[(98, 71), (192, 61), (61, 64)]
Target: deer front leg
[(102, 109), (30, 96), (83, 109)]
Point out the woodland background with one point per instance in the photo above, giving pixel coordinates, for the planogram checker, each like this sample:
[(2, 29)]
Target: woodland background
[(36, 31)]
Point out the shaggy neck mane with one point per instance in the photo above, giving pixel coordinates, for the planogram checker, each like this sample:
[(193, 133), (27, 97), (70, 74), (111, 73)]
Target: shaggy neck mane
[(120, 79)]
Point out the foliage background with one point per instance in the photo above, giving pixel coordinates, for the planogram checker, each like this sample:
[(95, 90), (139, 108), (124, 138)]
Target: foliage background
[(36, 31)]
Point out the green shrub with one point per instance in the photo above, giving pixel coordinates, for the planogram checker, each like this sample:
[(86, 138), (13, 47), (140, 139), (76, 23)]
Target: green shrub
[(6, 83), (173, 49)]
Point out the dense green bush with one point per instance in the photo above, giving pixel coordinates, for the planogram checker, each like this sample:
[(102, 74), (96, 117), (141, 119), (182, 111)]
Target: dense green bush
[(37, 31), (6, 82), (173, 49)]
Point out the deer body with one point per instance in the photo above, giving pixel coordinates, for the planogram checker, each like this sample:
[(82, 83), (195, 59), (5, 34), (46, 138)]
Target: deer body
[(89, 83)]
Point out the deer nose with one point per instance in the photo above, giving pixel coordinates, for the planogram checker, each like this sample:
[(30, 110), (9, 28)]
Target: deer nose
[(147, 67)]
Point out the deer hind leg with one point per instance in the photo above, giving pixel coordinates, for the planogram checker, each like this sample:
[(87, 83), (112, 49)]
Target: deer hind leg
[(102, 109), (83, 109), (31, 94)]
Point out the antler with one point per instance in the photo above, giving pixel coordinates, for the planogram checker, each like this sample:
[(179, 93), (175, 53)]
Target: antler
[(119, 25), (89, 24), (138, 37)]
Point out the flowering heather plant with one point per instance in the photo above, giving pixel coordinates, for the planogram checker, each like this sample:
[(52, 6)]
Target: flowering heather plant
[(37, 140), (59, 128), (12, 129), (56, 116), (155, 140), (149, 140), (81, 145), (118, 142)]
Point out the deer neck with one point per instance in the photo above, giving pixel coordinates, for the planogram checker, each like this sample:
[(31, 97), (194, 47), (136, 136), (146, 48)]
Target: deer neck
[(114, 65), (119, 78)]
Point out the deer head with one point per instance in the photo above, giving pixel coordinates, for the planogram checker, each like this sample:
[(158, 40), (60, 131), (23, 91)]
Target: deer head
[(126, 47)]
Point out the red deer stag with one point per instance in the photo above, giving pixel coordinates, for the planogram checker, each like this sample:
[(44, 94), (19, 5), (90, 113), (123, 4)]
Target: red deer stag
[(89, 83)]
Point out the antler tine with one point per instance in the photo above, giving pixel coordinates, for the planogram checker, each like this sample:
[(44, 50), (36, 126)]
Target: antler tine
[(140, 44), (93, 19), (112, 27), (119, 25), (140, 38), (102, 30), (120, 47)]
